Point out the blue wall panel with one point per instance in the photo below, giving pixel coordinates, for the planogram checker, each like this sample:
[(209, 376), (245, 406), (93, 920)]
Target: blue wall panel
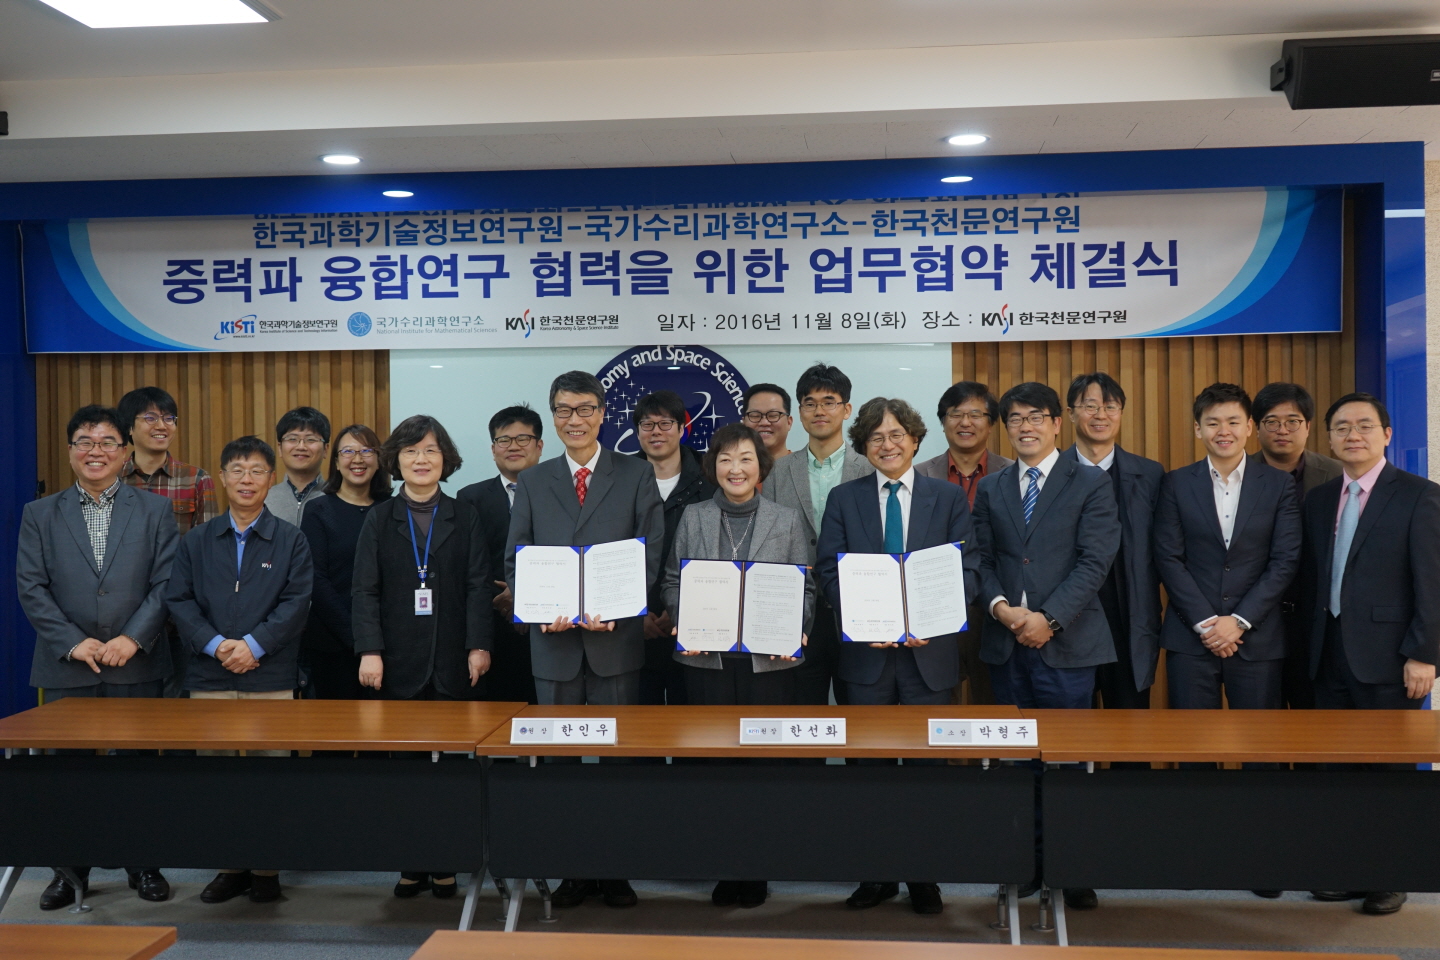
[(18, 480)]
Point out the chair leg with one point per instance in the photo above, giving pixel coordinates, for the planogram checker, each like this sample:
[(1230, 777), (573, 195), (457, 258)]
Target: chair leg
[(1046, 923), (1014, 897), (1002, 909), (517, 894), (472, 898), (544, 887), (80, 905), (7, 883), (1062, 935)]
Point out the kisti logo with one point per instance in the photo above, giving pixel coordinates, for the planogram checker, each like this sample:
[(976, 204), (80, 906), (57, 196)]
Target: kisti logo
[(708, 383), (1002, 318), (359, 324), (241, 329), (523, 322)]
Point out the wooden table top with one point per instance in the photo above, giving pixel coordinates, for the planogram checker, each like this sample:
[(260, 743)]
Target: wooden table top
[(494, 945), (692, 731), (56, 941), (1273, 736), (184, 724)]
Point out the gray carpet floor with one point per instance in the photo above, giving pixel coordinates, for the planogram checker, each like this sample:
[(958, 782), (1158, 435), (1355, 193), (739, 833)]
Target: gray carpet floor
[(353, 916)]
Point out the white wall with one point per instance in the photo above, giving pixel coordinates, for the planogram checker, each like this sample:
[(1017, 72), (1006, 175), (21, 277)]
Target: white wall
[(464, 387)]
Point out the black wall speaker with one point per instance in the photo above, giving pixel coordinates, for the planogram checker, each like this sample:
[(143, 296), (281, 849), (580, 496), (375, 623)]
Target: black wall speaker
[(1398, 71)]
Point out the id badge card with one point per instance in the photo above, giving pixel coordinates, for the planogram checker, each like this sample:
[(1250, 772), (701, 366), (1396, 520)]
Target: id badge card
[(424, 602)]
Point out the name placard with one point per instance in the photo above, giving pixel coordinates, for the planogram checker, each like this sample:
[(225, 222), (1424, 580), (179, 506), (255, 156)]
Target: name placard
[(592, 730), (984, 733), (815, 731)]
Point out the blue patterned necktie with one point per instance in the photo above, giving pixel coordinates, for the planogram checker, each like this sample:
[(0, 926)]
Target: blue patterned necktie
[(1344, 536), (894, 520), (1032, 493)]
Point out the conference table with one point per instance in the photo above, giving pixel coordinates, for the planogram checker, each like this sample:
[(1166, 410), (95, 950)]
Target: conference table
[(52, 941), (1323, 828), (727, 811), (317, 813), (453, 945)]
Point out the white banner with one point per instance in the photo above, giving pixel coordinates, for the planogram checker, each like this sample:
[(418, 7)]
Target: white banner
[(958, 269)]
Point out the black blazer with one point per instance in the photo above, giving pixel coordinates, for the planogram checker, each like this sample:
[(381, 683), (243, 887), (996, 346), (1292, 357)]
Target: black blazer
[(1204, 579), (418, 650), (1390, 597), (939, 514), (332, 528), (692, 488), (1058, 562), (1140, 490), (270, 600), (492, 503)]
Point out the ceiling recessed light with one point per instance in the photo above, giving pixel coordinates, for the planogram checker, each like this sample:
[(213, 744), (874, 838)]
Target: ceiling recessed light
[(398, 193), (437, 366), (956, 179), (102, 14), (341, 159), (966, 139)]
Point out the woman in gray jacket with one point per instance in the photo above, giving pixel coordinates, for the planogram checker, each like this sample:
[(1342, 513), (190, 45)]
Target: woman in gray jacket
[(738, 524)]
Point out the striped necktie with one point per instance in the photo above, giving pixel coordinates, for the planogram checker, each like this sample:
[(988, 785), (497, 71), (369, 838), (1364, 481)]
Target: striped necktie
[(1032, 493)]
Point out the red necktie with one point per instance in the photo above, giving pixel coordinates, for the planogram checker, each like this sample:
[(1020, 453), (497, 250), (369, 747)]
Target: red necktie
[(581, 476)]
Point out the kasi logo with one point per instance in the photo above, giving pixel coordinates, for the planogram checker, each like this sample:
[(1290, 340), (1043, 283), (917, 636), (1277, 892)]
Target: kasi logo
[(242, 329), (1001, 318), (523, 322), (710, 386), (358, 324)]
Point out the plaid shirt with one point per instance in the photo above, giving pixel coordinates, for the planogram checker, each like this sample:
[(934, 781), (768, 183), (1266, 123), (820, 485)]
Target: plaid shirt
[(97, 518), (190, 489)]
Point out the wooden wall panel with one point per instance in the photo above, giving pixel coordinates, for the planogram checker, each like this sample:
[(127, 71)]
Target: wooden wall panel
[(221, 395), (1161, 376)]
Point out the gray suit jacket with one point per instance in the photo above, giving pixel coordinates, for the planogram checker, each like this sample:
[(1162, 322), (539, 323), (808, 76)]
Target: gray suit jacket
[(68, 601), (939, 467), (622, 502), (1059, 560), (789, 486), (778, 538)]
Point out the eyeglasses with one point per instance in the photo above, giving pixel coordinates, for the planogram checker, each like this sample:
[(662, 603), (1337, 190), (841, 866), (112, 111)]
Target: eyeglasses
[(240, 473), (895, 436), (764, 416), (410, 453), (585, 411), (1034, 420), (829, 406), (521, 440), (664, 426), (290, 440), (85, 446), (1364, 428), (364, 453), (1273, 424), (966, 416), (1091, 409), (152, 418)]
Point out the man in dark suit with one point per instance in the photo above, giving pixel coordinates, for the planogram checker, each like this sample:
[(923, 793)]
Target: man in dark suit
[(1130, 594), (1284, 412), (1372, 563), (1227, 543), (587, 495), (516, 445), (92, 566), (895, 511), (804, 482), (967, 413), (660, 423)]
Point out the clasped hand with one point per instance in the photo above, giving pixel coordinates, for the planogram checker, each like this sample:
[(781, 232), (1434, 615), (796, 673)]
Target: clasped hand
[(1221, 635), (116, 653), (1030, 628), (235, 656)]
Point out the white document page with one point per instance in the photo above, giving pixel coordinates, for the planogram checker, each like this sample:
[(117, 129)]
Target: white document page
[(547, 584), (615, 579), (935, 591), (872, 607), (774, 611), (709, 614)]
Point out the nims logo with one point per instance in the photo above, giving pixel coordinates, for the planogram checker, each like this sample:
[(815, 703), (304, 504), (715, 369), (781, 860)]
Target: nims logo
[(241, 329)]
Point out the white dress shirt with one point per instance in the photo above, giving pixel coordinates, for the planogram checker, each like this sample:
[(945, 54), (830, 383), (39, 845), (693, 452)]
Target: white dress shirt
[(574, 467), (510, 486), (1105, 461), (1227, 500), (907, 489), (1046, 465)]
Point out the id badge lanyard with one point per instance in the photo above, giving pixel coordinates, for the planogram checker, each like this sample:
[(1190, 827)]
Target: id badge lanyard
[(424, 597)]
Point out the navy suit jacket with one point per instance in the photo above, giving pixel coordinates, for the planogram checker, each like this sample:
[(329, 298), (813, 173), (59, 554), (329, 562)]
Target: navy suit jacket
[(1204, 579), (1058, 562), (938, 514), (1140, 489), (1390, 597)]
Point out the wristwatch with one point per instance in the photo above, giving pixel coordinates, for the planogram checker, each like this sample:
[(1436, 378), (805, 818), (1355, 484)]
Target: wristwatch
[(1050, 621)]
